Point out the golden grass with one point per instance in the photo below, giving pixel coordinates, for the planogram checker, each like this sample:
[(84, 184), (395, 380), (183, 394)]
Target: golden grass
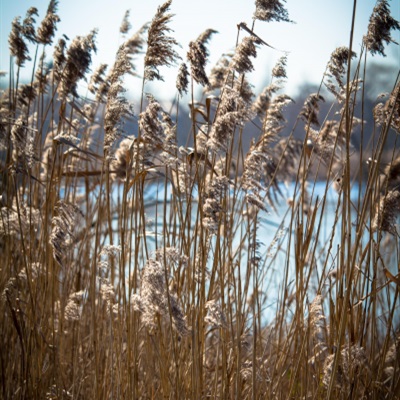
[(135, 267)]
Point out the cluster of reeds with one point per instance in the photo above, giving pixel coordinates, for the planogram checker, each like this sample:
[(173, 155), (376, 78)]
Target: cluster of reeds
[(136, 267)]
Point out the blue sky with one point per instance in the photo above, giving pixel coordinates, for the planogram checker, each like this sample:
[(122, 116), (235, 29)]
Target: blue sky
[(320, 27)]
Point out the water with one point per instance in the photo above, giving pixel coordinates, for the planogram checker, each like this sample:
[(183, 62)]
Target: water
[(276, 245)]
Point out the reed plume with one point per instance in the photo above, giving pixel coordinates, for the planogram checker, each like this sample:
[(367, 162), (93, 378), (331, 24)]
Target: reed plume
[(387, 211), (150, 126), (182, 80), (337, 64), (135, 44), (352, 363), (59, 58), (381, 23), (22, 138), (28, 29), (155, 299), (232, 112), (77, 62), (48, 27), (212, 207), (98, 84), (317, 325), (261, 104), (125, 24), (17, 45), (215, 316), (197, 57), (271, 10), (117, 106), (159, 45), (219, 73), (279, 71), (310, 109), (61, 238), (389, 112), (241, 62)]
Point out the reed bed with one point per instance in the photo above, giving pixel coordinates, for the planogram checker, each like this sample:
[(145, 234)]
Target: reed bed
[(137, 267)]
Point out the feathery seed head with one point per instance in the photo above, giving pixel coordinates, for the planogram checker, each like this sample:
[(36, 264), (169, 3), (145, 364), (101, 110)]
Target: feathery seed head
[(22, 139), (241, 62), (246, 93), (26, 94), (222, 130), (393, 353), (97, 81), (215, 316), (380, 25), (28, 29), (77, 64), (197, 56), (172, 255), (391, 176), (42, 74), (338, 62), (62, 232), (10, 223), (351, 358), (387, 211), (155, 298), (122, 159), (18, 47), (150, 125), (327, 142), (288, 152), (212, 204), (271, 10), (317, 322), (110, 250), (59, 57), (73, 308), (274, 120), (232, 111), (310, 109), (279, 71), (159, 45), (261, 104), (122, 64), (47, 29), (170, 153), (131, 47), (390, 110), (117, 107), (182, 80), (125, 25), (219, 73), (137, 41)]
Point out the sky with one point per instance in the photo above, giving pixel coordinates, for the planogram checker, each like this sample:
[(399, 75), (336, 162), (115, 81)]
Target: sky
[(319, 28)]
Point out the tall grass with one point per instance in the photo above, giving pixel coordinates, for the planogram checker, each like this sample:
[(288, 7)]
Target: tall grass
[(134, 266)]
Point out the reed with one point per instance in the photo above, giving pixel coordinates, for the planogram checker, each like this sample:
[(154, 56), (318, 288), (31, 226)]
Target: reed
[(135, 266)]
